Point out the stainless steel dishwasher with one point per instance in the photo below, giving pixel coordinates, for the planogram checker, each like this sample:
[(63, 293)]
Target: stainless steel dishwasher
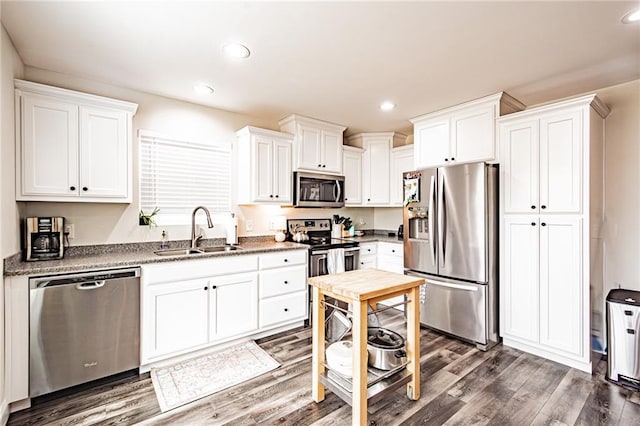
[(82, 327)]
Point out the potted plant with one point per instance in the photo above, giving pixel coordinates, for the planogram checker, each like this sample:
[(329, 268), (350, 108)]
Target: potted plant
[(148, 219)]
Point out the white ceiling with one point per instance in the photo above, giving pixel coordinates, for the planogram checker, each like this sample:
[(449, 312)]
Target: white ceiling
[(334, 61)]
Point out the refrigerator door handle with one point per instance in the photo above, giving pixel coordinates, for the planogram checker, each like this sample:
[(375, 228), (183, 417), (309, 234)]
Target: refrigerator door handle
[(452, 285), (442, 223), (432, 199)]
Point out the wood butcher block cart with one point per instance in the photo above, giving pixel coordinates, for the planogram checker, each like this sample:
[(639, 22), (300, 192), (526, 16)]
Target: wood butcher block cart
[(363, 288)]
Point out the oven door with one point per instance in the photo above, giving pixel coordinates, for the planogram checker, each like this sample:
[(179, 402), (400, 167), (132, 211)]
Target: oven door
[(319, 266)]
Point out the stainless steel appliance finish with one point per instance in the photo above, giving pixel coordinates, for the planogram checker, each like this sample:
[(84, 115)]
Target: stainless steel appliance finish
[(318, 261), (450, 239), (385, 349), (43, 238), (623, 337), (82, 327), (316, 190)]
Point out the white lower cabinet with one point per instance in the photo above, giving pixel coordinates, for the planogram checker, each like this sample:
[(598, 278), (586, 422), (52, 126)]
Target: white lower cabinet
[(391, 258), (233, 302), (542, 282), (193, 304), (179, 312), (368, 255), (283, 288)]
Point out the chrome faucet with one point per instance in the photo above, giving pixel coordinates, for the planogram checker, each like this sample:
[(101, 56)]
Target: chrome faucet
[(194, 237)]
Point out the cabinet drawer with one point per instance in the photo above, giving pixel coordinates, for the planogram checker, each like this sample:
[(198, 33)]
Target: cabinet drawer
[(367, 249), (282, 280), (283, 308), (390, 249), (283, 258)]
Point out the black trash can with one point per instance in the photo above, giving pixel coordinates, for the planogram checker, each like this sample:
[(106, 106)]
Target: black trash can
[(623, 337)]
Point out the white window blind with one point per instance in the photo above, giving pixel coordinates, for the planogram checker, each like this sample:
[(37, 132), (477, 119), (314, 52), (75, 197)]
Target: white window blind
[(176, 176)]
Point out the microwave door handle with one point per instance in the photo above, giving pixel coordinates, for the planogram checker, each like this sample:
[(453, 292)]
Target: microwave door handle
[(339, 190), (432, 196)]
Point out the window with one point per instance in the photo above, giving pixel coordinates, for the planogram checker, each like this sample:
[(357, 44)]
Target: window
[(176, 176)]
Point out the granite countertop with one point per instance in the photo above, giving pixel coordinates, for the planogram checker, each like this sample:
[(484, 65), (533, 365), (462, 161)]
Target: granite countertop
[(123, 255), (134, 254)]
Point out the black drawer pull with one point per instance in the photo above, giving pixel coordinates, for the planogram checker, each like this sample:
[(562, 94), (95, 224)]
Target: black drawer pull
[(629, 313), (286, 260), (73, 188), (533, 224), (533, 207), (286, 309), (543, 207), (206, 288), (213, 287), (543, 224), (631, 331), (84, 188), (286, 282)]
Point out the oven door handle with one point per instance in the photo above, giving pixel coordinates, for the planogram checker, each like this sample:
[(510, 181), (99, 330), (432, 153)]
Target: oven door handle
[(347, 251)]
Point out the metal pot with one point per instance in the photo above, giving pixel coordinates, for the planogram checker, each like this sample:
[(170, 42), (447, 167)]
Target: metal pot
[(300, 234), (386, 348)]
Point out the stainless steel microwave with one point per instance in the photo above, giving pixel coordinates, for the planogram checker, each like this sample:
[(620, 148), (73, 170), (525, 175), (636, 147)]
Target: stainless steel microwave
[(316, 190)]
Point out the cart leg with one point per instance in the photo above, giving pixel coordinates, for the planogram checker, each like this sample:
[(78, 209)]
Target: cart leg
[(413, 343), (317, 349), (360, 358)]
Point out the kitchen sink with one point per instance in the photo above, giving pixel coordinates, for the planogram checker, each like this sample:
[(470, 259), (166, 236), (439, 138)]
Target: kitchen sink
[(199, 250), (215, 249)]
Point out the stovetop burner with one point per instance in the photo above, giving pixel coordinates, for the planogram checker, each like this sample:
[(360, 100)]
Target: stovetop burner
[(319, 231)]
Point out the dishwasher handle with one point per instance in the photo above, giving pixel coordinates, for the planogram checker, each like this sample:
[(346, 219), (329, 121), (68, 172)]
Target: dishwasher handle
[(90, 285), (84, 281)]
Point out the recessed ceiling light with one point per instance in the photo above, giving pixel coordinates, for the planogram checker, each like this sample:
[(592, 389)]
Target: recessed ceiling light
[(387, 106), (236, 50), (202, 89), (631, 17)]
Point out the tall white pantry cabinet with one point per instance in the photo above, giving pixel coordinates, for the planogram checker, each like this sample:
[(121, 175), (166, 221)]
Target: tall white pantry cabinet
[(551, 209)]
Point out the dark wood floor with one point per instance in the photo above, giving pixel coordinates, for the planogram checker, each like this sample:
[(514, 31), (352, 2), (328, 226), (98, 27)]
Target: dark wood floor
[(460, 386)]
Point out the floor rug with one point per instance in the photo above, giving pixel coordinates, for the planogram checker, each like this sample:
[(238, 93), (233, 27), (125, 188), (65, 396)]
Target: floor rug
[(196, 378)]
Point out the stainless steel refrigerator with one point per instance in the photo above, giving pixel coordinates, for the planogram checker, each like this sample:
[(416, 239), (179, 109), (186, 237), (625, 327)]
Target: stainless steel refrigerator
[(450, 240)]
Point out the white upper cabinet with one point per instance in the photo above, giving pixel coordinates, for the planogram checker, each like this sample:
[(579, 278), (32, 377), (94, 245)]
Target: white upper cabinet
[(401, 161), (263, 166), (72, 146), (352, 162), (377, 166), (317, 144), (461, 134), (542, 162)]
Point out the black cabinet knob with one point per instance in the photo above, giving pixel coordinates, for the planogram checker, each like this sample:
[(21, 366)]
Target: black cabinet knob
[(368, 249), (206, 288), (213, 287), (533, 207), (543, 224), (393, 251), (73, 188), (533, 224), (368, 199), (324, 165), (346, 199), (286, 309), (84, 188), (452, 158), (277, 196), (362, 263), (286, 282), (286, 260), (446, 159), (543, 207), (319, 165)]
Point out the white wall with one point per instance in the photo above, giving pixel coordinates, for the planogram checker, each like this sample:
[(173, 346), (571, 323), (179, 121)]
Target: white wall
[(622, 186), (11, 66), (388, 218)]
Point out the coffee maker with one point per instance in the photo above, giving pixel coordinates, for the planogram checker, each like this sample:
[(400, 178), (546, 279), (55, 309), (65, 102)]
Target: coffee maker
[(43, 238)]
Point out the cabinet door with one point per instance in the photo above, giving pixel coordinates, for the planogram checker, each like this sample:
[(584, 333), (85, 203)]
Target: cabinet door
[(473, 136), (331, 152), (367, 262), (104, 153), (401, 161), (431, 145), (309, 148), (519, 162), (519, 282), (49, 157), (234, 305), (352, 178), (562, 295), (561, 163), (175, 317), (263, 168), (282, 177), (376, 171)]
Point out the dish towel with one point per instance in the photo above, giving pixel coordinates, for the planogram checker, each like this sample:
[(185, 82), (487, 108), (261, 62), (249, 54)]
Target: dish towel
[(335, 261)]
